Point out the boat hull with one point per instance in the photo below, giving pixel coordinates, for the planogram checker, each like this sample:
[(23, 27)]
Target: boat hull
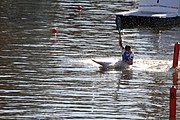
[(112, 65), (145, 21)]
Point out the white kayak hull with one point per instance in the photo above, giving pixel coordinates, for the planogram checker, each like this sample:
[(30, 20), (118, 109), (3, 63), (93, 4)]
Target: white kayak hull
[(112, 64)]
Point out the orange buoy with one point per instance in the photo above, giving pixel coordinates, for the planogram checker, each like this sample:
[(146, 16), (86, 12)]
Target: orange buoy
[(79, 8), (54, 30)]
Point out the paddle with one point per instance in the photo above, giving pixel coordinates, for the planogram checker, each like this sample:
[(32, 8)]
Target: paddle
[(119, 25)]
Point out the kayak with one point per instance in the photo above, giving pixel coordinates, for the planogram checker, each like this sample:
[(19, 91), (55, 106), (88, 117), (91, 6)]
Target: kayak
[(112, 64)]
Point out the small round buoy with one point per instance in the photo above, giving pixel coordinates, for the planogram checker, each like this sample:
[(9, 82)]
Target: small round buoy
[(79, 8), (54, 30)]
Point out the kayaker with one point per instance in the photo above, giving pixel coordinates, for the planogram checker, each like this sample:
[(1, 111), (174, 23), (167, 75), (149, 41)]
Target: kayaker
[(127, 54)]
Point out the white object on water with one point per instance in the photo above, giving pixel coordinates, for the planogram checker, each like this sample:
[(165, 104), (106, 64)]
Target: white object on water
[(112, 64), (153, 8), (152, 13)]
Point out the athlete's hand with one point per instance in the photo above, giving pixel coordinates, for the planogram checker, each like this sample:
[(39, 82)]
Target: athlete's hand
[(120, 39), (120, 42)]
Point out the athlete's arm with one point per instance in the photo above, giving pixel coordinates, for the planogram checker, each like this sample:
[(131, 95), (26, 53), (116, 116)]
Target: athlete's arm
[(120, 43), (130, 60)]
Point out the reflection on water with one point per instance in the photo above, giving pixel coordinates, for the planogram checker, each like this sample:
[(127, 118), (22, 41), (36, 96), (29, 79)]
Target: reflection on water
[(43, 76)]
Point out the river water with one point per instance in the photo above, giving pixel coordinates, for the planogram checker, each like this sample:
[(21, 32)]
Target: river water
[(48, 76)]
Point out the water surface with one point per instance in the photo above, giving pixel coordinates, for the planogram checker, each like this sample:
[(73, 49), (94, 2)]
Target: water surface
[(45, 76)]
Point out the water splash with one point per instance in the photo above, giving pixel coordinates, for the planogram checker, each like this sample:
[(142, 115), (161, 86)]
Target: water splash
[(147, 65), (152, 65)]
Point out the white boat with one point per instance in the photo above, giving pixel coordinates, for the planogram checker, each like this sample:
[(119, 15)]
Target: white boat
[(151, 13)]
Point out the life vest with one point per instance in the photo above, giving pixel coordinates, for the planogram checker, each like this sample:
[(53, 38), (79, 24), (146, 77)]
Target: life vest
[(126, 57)]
